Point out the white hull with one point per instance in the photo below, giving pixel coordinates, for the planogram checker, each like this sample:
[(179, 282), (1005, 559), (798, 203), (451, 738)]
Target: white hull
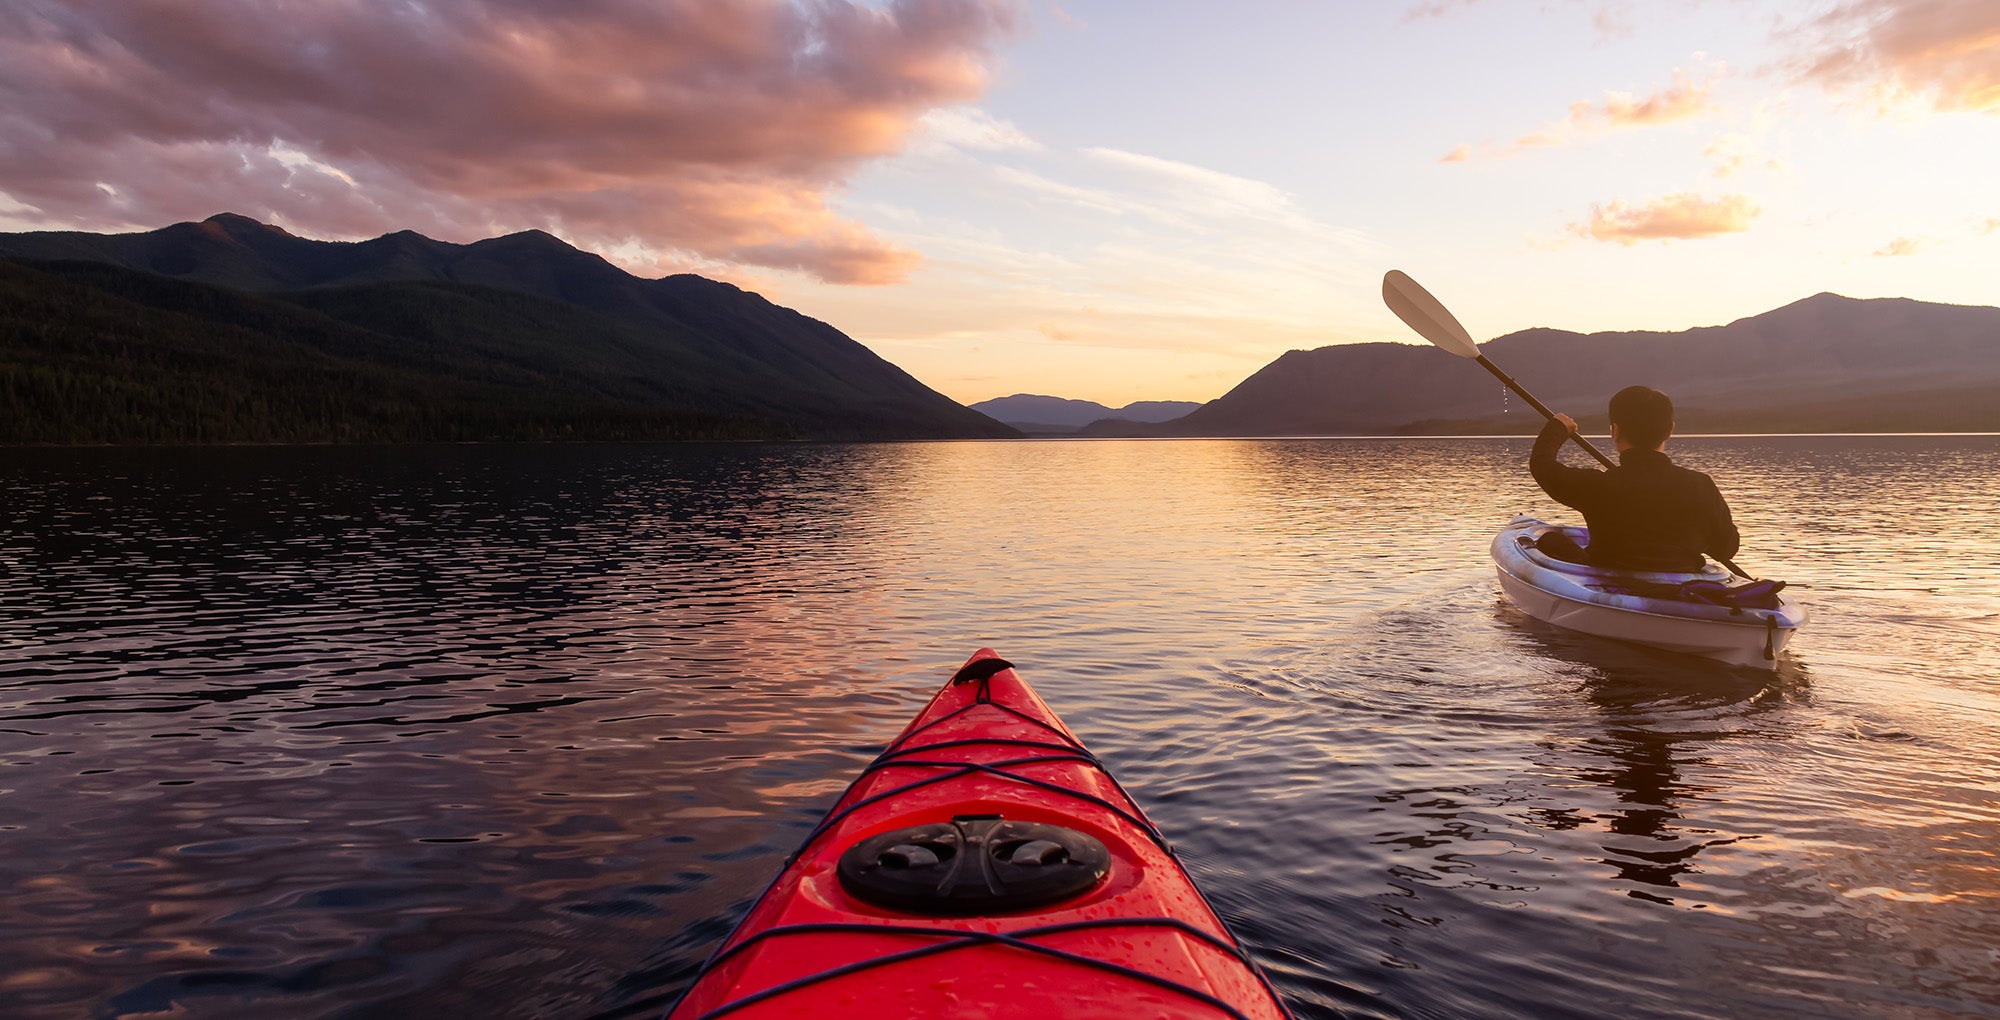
[(1573, 596)]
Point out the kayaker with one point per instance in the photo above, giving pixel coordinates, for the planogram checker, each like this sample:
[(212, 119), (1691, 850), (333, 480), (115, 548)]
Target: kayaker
[(1645, 514)]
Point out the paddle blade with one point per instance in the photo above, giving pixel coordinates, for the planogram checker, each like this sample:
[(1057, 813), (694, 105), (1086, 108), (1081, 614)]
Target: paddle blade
[(1425, 314)]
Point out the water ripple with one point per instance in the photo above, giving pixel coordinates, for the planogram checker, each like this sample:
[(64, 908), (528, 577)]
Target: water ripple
[(520, 730)]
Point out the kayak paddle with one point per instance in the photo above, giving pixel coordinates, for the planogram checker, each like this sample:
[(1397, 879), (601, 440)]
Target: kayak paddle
[(1434, 322)]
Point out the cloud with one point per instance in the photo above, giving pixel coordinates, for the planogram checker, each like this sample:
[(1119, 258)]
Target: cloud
[(1082, 196), (967, 127), (1729, 154), (1065, 18), (1198, 189), (1684, 99), (715, 129), (1612, 19), (1615, 21), (1946, 52), (1732, 153), (1190, 199), (1104, 263), (1991, 225), (1899, 246), (1678, 216)]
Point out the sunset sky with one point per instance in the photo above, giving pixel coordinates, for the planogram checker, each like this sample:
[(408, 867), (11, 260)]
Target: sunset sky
[(1108, 201)]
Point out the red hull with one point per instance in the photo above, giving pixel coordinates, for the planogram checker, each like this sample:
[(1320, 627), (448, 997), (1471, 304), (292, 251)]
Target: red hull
[(1141, 942)]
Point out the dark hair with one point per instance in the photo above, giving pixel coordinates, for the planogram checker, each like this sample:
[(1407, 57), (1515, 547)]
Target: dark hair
[(1643, 414)]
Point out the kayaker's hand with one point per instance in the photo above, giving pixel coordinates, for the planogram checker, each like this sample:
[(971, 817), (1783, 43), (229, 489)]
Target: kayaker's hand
[(1567, 422)]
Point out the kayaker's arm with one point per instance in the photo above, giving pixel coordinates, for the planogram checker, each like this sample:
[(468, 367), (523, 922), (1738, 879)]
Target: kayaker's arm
[(1564, 484), (1724, 539)]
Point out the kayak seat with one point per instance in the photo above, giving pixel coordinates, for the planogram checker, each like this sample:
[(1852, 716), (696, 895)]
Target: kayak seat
[(1754, 595)]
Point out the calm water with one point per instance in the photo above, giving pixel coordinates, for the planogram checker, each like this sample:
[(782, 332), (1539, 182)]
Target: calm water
[(517, 732)]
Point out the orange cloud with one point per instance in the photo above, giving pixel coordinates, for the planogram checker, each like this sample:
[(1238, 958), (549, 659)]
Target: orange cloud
[(1731, 153), (1727, 152), (1682, 100), (713, 128), (1899, 246), (1678, 216), (1947, 51)]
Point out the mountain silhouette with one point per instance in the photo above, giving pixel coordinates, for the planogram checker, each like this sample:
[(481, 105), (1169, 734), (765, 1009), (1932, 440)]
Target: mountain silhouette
[(1823, 364), (524, 322), (1037, 414)]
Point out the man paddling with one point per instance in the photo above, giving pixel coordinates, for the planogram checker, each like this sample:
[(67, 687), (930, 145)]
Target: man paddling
[(1646, 513)]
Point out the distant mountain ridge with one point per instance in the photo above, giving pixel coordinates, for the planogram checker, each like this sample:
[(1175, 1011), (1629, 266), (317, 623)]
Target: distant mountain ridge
[(1823, 364), (230, 330), (1034, 413), (523, 318)]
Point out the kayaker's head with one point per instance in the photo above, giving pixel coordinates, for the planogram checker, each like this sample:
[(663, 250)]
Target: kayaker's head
[(1641, 418)]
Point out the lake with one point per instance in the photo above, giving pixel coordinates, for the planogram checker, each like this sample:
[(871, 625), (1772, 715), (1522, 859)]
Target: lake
[(519, 731)]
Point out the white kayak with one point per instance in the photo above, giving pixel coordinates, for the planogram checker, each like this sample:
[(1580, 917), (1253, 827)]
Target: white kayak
[(1609, 603)]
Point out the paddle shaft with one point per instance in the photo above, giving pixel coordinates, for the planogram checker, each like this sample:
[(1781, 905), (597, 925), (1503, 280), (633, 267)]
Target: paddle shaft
[(1580, 441), (1544, 408)]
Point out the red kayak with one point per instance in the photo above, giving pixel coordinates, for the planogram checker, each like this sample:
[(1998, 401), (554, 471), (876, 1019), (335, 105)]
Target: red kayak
[(985, 865)]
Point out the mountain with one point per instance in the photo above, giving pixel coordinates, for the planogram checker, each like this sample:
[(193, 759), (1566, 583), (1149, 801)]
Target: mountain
[(518, 337), (1155, 410), (1058, 416), (1824, 364)]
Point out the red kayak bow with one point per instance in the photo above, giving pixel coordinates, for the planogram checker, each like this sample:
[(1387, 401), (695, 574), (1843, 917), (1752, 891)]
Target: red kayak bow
[(984, 865)]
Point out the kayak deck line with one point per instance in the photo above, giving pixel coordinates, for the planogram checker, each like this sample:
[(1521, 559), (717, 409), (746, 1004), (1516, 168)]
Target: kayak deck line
[(805, 934), (999, 769), (959, 939), (1071, 748)]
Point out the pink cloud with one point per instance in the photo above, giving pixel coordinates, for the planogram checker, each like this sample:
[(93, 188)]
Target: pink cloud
[(717, 128), (1947, 51), (1684, 99), (1899, 246), (1672, 217)]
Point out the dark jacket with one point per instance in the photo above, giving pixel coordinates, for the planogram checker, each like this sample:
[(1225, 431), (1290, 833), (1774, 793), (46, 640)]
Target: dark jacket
[(1644, 514)]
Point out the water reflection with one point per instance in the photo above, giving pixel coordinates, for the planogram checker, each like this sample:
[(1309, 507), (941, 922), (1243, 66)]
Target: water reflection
[(1659, 718), (519, 731), (338, 717)]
